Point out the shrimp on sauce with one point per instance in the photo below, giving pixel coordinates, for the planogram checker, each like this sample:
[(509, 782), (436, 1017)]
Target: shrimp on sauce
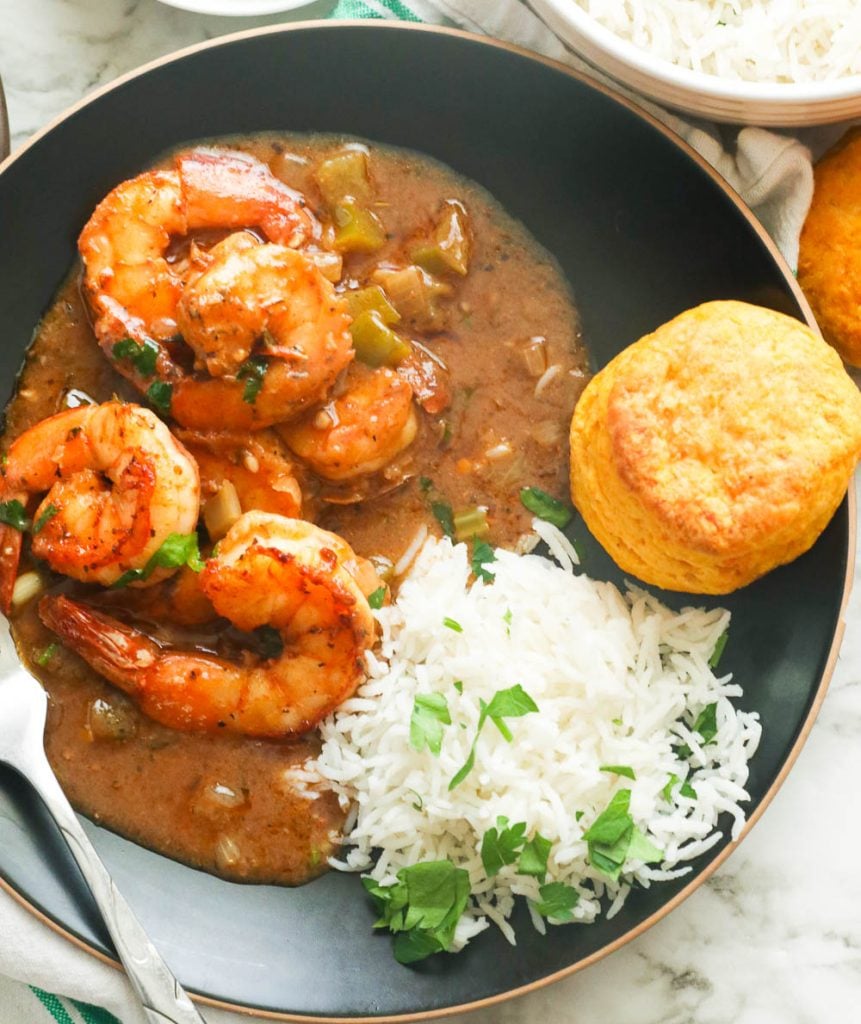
[(129, 279), (221, 302), (269, 331), (360, 431), (286, 574), (256, 470), (116, 485)]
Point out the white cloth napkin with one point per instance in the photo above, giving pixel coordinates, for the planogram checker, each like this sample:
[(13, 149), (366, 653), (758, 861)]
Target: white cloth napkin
[(772, 173)]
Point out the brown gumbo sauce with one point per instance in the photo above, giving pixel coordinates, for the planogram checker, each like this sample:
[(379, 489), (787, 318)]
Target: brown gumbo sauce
[(497, 367)]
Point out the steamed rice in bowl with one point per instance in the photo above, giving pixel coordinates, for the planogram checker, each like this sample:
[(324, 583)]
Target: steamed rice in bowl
[(773, 41)]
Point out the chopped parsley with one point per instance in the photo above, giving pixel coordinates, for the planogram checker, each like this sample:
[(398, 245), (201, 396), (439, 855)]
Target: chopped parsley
[(425, 484), (13, 514), (673, 781), (705, 726), (377, 598), (45, 518), (533, 857), (619, 769), (501, 845), (458, 685), (177, 549), (160, 394), (714, 660), (452, 624), (142, 355), (557, 901), (422, 908), (444, 516), (511, 703), (252, 371), (482, 555), (613, 838), (545, 506), (430, 715), (418, 803), (706, 723)]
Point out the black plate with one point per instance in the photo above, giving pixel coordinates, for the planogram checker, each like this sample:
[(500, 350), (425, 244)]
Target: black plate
[(642, 231)]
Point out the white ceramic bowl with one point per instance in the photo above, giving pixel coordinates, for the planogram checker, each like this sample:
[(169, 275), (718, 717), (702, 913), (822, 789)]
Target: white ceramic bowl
[(717, 99), (236, 8)]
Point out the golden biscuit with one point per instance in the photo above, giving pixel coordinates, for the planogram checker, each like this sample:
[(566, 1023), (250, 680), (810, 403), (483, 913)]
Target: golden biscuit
[(716, 448), (829, 256)]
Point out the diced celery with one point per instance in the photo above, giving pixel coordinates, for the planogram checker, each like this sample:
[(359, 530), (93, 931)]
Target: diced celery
[(414, 293), (376, 344), (447, 250), (343, 176), (472, 522), (372, 298), (357, 229)]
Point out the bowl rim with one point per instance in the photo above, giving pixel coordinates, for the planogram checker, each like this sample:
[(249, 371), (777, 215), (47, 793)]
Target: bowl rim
[(236, 8), (622, 51), (830, 662)]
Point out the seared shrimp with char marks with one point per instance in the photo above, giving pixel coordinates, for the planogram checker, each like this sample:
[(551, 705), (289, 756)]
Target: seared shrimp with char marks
[(274, 304), (268, 571), (118, 484)]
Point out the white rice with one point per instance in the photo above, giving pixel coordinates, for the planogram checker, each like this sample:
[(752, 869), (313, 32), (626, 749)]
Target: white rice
[(618, 680), (751, 40)]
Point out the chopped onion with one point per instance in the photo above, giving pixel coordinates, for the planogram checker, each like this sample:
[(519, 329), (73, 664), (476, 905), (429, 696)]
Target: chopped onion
[(503, 450), (75, 397), (227, 852), (222, 510), (413, 548), (27, 586), (549, 375), (547, 433), (534, 354), (107, 720)]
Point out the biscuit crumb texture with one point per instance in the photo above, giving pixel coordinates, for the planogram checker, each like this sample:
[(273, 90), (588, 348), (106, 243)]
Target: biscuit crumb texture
[(716, 448), (829, 257)]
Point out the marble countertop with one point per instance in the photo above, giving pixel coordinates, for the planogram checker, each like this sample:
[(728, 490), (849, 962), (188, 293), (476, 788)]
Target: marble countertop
[(775, 936)]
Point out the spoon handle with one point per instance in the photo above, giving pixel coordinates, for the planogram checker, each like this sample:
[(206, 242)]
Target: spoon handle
[(164, 1000), (4, 125)]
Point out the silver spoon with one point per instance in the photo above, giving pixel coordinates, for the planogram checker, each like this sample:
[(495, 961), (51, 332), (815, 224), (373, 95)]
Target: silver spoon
[(5, 145), (23, 704)]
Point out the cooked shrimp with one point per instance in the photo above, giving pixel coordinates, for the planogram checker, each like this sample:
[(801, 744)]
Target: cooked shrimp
[(359, 432), (269, 571), (177, 601), (257, 465), (117, 482), (132, 287), (270, 301)]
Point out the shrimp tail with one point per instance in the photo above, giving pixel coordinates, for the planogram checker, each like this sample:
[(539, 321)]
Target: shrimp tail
[(116, 651), (10, 555)]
